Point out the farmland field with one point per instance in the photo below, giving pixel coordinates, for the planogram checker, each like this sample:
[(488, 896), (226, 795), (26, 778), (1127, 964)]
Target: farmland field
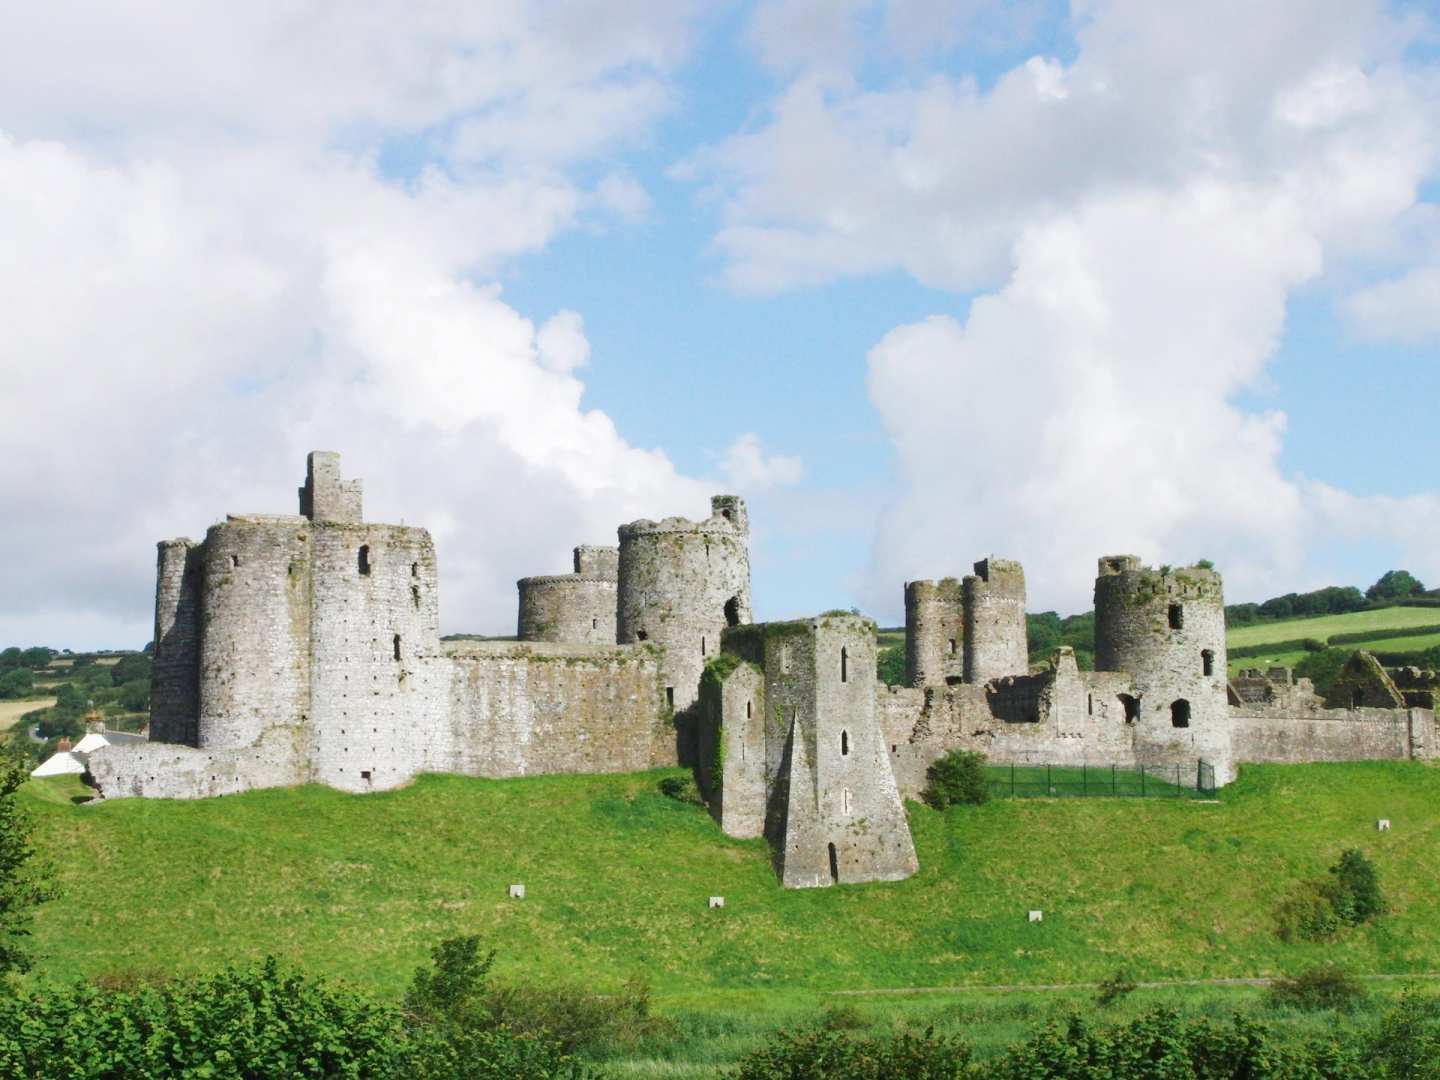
[(1323, 626), (11, 711)]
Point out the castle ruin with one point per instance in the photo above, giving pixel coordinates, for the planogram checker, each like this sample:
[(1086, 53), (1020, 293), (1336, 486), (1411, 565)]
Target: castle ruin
[(293, 649)]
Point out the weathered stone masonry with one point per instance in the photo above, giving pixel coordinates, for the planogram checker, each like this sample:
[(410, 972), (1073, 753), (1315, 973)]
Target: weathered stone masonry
[(305, 648)]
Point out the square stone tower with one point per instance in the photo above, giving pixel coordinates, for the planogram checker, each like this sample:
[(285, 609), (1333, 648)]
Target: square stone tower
[(799, 752)]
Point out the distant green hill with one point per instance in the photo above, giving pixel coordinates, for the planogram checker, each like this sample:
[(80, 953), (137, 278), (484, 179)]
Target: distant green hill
[(1383, 630), (618, 877)]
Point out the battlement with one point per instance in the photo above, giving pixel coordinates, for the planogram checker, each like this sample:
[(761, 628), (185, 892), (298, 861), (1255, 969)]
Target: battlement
[(599, 563), (325, 496), (728, 516)]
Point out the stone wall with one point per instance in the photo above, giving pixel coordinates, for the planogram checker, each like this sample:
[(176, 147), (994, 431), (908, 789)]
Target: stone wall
[(994, 606), (934, 629), (376, 617), (326, 497), (681, 583), (521, 709), (1334, 735), (175, 673)]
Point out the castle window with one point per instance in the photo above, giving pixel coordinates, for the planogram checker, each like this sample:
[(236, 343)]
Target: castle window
[(364, 774), (732, 611), (1132, 708), (1177, 616), (845, 801), (594, 623), (234, 561), (952, 646), (747, 710), (834, 866), (727, 514), (844, 743), (1180, 713), (396, 644), (414, 569), (670, 698), (702, 646), (641, 635), (365, 560), (415, 596), (844, 664), (1090, 704), (1207, 661)]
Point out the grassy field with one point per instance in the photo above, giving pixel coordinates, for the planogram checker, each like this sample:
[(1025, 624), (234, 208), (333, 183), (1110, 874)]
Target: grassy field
[(11, 711), (1324, 626), (617, 876), (617, 879)]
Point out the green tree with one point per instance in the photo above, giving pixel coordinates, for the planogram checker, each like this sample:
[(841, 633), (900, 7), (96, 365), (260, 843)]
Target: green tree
[(24, 883), (955, 779), (16, 683), (1323, 668), (1395, 585), (37, 657), (890, 665)]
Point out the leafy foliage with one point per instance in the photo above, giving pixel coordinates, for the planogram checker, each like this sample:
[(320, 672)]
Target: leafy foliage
[(1323, 668), (1349, 895), (1395, 584), (24, 884), (955, 779), (1324, 987), (799, 1055), (890, 665)]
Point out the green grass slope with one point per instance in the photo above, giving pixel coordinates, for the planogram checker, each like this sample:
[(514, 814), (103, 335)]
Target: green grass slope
[(1323, 626), (617, 878)]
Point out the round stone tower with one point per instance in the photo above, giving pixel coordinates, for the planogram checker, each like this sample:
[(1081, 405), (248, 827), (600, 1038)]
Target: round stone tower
[(680, 584), (567, 608), (934, 628), (255, 647), (175, 674), (1166, 629), (996, 643)]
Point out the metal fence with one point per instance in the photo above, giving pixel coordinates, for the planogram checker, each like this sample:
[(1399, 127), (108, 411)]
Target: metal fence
[(1066, 781)]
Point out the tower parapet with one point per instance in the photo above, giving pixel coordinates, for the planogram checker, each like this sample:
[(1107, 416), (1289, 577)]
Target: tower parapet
[(934, 629), (327, 498), (681, 583), (994, 607)]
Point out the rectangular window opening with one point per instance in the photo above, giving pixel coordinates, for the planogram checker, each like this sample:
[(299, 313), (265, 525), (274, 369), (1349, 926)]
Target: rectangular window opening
[(1177, 616)]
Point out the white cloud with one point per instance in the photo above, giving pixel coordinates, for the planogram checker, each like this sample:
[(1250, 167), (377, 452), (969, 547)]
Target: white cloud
[(207, 275), (747, 468), (1133, 221), (1405, 309)]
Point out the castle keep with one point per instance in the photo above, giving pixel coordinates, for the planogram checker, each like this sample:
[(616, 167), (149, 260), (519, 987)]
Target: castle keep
[(305, 648)]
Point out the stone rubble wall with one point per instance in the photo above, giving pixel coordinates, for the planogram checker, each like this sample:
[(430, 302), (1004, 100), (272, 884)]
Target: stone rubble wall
[(995, 637), (934, 630)]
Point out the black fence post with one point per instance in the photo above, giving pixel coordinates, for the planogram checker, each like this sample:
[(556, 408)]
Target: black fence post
[(1012, 779)]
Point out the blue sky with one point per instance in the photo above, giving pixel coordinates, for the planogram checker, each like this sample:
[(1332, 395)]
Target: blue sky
[(924, 281)]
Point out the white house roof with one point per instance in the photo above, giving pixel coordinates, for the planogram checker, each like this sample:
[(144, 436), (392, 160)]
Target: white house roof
[(66, 761)]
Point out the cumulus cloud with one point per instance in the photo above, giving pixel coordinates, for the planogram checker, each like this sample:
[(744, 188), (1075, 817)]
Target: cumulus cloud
[(1131, 223), (208, 273), (747, 468), (1405, 309)]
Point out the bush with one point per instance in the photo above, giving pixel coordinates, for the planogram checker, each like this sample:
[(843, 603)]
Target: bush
[(1359, 888), (1114, 987), (955, 779), (837, 1056), (577, 1019), (1324, 987), (1317, 909), (681, 789), (1307, 914)]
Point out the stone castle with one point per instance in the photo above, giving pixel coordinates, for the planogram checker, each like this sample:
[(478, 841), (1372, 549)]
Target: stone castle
[(294, 649)]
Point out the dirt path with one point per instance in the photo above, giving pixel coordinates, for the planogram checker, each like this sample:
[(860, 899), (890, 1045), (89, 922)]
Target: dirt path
[(1024, 988)]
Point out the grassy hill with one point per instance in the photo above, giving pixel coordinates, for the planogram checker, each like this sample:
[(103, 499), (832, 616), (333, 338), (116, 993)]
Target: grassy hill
[(618, 875), (1383, 630)]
